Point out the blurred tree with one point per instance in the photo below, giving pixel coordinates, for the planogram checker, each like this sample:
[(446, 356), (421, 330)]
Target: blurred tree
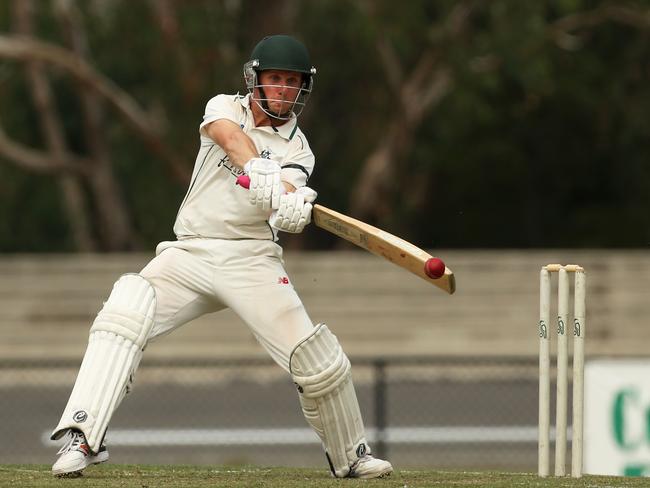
[(52, 131), (476, 157), (538, 152), (110, 215), (506, 123)]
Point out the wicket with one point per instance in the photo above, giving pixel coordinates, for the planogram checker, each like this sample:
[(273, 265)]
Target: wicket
[(562, 367)]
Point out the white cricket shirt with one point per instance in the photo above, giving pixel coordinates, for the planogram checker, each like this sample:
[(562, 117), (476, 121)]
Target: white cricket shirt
[(214, 205)]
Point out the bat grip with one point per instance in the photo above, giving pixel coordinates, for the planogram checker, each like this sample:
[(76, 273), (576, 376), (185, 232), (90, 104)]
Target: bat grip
[(244, 181)]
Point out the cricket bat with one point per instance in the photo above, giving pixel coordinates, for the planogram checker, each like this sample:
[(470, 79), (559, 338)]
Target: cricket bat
[(378, 242)]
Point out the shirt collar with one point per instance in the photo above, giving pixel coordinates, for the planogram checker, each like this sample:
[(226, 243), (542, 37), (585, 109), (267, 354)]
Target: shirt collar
[(286, 130)]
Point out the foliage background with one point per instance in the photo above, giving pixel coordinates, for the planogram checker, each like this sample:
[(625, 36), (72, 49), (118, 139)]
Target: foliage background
[(460, 124)]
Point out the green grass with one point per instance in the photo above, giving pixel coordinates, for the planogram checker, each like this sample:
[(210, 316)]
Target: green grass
[(142, 476)]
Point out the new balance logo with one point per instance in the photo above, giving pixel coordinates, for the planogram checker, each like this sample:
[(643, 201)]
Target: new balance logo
[(283, 280)]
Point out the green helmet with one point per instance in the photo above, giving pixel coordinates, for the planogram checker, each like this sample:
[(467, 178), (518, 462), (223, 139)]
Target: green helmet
[(283, 53)]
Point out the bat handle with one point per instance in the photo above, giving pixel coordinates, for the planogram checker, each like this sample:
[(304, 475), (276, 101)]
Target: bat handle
[(244, 181)]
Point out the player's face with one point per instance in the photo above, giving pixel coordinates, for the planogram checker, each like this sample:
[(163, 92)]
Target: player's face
[(281, 89)]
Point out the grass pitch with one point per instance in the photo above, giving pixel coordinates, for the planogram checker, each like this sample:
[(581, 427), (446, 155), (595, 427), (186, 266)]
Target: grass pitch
[(142, 476)]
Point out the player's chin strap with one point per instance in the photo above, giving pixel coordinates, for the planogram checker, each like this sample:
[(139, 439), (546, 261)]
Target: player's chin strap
[(117, 338), (321, 372)]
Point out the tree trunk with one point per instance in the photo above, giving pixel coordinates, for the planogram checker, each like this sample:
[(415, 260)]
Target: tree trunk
[(374, 194), (417, 93), (70, 185), (113, 223), (142, 126)]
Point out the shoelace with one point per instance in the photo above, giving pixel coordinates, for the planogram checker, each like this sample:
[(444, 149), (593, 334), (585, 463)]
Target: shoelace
[(76, 439)]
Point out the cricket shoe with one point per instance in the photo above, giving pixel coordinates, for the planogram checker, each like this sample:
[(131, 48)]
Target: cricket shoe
[(370, 467), (76, 456)]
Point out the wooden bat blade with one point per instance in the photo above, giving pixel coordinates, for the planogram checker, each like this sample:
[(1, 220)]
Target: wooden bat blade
[(381, 243)]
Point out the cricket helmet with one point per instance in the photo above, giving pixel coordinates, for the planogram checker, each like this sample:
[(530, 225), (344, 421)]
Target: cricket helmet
[(285, 53)]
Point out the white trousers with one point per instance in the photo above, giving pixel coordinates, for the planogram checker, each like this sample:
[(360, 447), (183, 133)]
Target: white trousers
[(196, 276)]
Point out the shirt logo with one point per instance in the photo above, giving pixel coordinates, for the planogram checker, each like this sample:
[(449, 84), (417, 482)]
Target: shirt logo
[(225, 163), (283, 280), (265, 154)]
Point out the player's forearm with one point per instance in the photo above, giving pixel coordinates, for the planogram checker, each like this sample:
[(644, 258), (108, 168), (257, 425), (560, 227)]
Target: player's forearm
[(236, 144), (240, 148)]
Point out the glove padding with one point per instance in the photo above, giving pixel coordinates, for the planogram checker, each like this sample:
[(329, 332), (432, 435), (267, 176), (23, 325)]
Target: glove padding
[(265, 187), (294, 212)]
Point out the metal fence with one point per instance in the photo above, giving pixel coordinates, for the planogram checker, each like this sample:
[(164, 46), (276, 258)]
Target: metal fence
[(434, 412)]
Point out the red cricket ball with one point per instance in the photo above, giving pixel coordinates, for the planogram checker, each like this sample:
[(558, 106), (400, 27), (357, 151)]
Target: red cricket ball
[(434, 268)]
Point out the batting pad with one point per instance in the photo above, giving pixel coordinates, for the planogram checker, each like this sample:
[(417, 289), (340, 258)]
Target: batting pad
[(115, 345), (321, 372)]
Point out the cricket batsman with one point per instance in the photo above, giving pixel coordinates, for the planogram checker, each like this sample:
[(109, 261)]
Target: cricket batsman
[(226, 256)]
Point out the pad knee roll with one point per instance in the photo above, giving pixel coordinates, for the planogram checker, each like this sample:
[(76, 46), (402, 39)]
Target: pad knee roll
[(321, 371), (117, 337)]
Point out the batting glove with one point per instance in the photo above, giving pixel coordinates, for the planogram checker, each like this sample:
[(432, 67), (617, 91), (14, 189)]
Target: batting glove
[(265, 187), (294, 212)]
